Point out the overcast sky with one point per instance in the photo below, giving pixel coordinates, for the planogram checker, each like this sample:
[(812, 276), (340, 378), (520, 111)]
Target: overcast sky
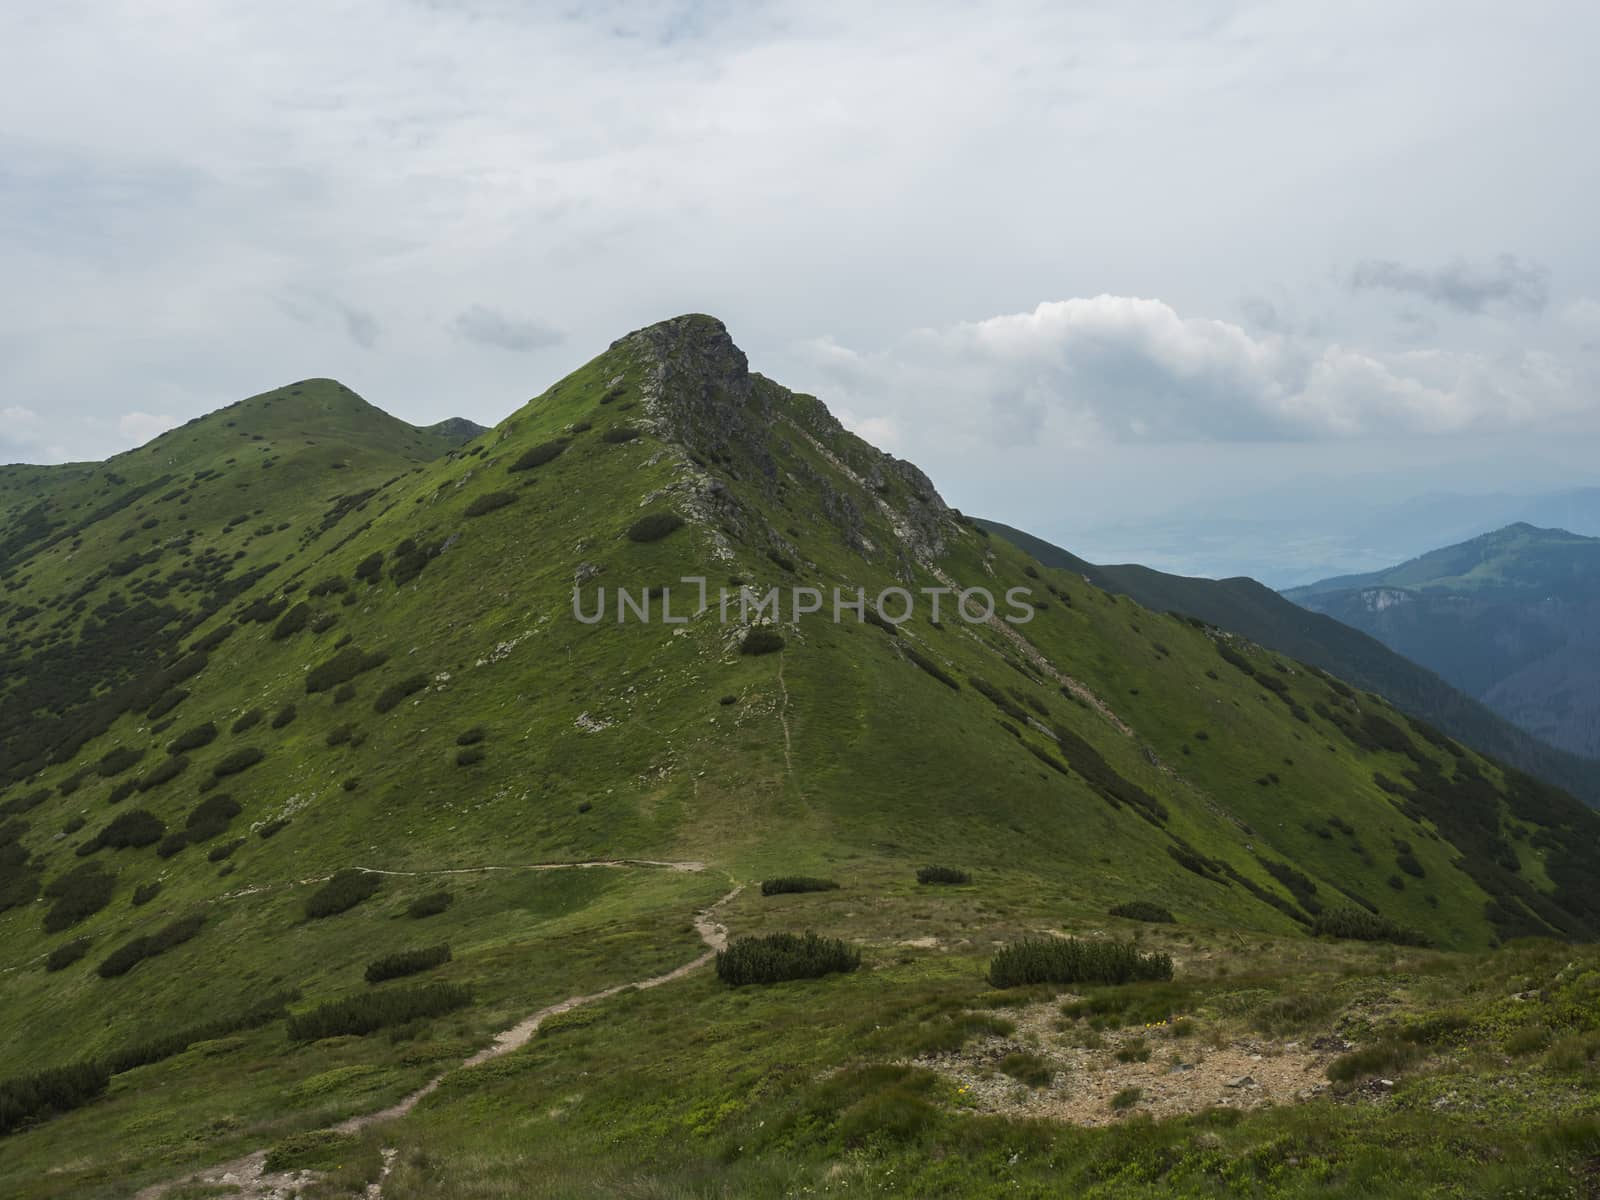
[(1084, 263)]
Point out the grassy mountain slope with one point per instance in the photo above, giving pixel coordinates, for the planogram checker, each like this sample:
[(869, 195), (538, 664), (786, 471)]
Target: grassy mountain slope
[(1509, 617), (382, 669), (1248, 608)]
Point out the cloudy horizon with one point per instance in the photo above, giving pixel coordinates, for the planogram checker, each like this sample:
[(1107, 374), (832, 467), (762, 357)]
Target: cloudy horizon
[(1086, 264)]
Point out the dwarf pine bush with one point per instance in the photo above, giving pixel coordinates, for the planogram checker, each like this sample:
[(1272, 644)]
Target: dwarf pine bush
[(1356, 925), (344, 891), (406, 962), (761, 640), (164, 772), (114, 762), (79, 893), (241, 759), (136, 827), (165, 1045), (66, 954), (398, 691), (489, 502), (654, 526), (248, 721), (949, 875), (130, 954), (932, 668), (539, 455), (796, 883), (363, 1014), (1144, 910), (1069, 960), (430, 905), (28, 1098), (343, 667), (775, 957), (193, 739)]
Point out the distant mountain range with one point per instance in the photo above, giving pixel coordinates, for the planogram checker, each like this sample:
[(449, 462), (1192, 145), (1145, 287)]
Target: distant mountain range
[(1511, 618), (1346, 647), (1305, 539)]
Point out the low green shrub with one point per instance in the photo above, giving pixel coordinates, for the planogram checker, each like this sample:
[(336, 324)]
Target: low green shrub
[(130, 954), (1144, 910), (166, 702), (932, 668), (618, 434), (248, 721), (1357, 925), (161, 1046), (193, 739), (430, 905), (776, 957), (406, 962), (344, 666), (131, 829), (344, 891), (465, 758), (292, 621), (274, 826), (115, 762), (796, 883), (80, 893), (239, 760), (946, 875), (490, 502), (283, 716), (25, 1099), (1294, 1012), (1133, 1050), (165, 771), (538, 455), (1385, 1058), (654, 526), (398, 691), (761, 640), (64, 955), (371, 1011), (1027, 1068), (219, 853), (146, 892), (1069, 960), (1126, 1099), (471, 737)]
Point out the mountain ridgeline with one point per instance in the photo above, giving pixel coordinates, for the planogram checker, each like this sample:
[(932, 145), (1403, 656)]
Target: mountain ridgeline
[(296, 676), (1344, 647), (1512, 618)]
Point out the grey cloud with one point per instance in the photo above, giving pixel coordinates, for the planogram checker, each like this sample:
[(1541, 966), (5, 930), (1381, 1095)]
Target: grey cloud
[(361, 326), (1118, 369), (492, 327), (1463, 286)]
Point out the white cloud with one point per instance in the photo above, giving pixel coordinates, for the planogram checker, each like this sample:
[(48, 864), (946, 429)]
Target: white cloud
[(1126, 369)]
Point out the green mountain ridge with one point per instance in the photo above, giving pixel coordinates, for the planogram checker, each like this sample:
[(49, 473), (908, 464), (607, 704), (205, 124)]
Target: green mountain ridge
[(1250, 609), (1512, 618), (284, 677)]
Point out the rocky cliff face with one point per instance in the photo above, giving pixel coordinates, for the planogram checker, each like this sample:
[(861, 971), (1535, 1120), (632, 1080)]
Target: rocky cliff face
[(737, 427)]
